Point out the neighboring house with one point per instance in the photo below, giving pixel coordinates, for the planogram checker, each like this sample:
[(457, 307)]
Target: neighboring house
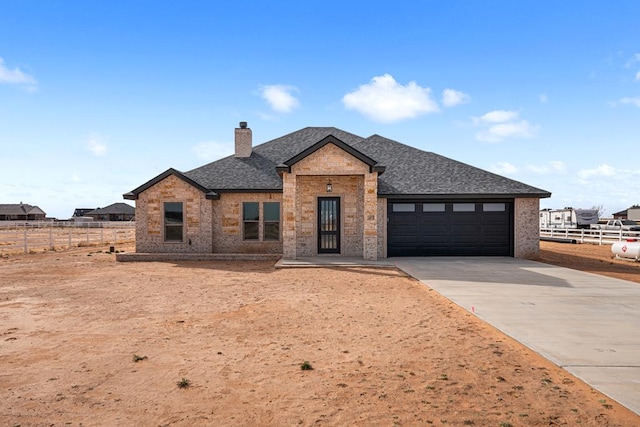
[(21, 212), (632, 213), (321, 190), (80, 212), (620, 215), (114, 212)]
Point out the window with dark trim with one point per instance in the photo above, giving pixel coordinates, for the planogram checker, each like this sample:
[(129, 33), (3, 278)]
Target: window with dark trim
[(464, 207), (250, 220), (404, 207), (433, 207), (173, 222), (271, 222), (495, 207)]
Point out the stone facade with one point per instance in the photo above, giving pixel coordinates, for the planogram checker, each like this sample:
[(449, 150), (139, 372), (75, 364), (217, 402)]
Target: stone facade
[(197, 219), (216, 226), (352, 182), (526, 228), (227, 224)]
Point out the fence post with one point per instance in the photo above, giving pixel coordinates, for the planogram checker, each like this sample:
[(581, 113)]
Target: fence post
[(101, 235), (115, 236), (26, 246), (51, 238), (69, 237)]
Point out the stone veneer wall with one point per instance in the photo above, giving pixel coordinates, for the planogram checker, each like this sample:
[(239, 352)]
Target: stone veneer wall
[(197, 218), (526, 228), (227, 224), (350, 191), (352, 182)]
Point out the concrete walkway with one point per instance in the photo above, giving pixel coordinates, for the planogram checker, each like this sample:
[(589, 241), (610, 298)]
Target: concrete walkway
[(333, 261), (585, 323)]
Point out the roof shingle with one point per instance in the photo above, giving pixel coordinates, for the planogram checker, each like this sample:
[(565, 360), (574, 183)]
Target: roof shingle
[(409, 171)]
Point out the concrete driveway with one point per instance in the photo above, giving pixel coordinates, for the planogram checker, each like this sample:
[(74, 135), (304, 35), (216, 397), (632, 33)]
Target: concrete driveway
[(585, 323)]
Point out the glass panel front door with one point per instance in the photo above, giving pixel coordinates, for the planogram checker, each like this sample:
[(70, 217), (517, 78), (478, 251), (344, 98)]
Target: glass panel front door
[(328, 225)]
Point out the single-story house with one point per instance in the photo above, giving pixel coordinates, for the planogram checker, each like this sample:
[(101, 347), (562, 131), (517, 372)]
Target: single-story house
[(80, 212), (633, 213), (321, 190), (21, 212), (113, 212)]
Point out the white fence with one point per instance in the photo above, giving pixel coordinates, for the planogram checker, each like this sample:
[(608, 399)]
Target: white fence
[(584, 235), (47, 235)]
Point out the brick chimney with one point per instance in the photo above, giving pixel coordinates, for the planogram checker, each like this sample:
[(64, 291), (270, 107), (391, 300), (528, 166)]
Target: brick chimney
[(243, 141)]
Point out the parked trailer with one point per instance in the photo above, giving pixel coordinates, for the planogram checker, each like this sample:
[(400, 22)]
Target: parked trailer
[(568, 218)]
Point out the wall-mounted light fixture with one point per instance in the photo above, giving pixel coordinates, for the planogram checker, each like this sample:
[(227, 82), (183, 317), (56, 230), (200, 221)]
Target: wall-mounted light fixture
[(329, 187)]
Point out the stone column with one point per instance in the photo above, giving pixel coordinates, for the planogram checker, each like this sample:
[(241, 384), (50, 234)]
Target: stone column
[(289, 187), (370, 213), (526, 223)]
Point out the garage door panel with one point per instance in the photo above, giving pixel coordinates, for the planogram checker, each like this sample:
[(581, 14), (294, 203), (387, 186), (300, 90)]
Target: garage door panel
[(427, 230), (405, 229), (457, 228)]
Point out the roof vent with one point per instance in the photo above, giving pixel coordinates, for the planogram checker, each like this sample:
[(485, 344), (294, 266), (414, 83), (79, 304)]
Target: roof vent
[(243, 125)]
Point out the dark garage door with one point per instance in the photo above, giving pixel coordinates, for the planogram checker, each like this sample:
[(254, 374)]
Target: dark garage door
[(418, 228)]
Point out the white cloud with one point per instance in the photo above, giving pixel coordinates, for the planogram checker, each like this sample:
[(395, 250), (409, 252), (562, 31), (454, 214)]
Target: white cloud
[(496, 116), (16, 76), (498, 132), (543, 98), (501, 124), (602, 170), (635, 58), (553, 166), (95, 145), (632, 101), (504, 168), (280, 97), (638, 76), (451, 98), (384, 100), (210, 150)]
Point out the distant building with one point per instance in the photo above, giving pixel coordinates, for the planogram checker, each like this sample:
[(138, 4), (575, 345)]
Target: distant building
[(633, 213), (80, 212), (114, 212), (21, 212), (620, 215)]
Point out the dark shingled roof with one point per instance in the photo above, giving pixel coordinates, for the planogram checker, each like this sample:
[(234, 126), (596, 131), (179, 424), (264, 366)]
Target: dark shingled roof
[(409, 171), (116, 208), (20, 209), (258, 172)]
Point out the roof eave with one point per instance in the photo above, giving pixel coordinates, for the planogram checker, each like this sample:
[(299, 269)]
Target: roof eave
[(329, 139), (466, 196), (133, 195)]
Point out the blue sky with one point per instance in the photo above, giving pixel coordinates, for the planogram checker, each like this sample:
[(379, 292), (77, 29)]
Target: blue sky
[(98, 97)]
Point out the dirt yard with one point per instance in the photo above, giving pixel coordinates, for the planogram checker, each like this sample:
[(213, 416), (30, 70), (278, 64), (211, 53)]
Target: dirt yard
[(88, 341)]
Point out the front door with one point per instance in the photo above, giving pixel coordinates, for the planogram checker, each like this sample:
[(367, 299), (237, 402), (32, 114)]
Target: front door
[(328, 225)]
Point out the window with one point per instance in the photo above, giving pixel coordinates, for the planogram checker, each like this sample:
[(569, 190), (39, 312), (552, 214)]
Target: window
[(433, 207), (404, 207), (464, 207), (251, 220), (260, 221), (271, 228), (495, 207), (173, 222)]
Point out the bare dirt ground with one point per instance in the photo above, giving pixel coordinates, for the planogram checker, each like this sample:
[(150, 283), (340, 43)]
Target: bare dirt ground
[(385, 349)]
